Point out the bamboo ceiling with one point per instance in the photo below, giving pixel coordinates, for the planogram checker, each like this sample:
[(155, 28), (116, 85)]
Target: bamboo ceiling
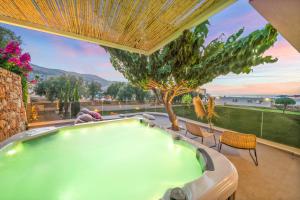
[(141, 26)]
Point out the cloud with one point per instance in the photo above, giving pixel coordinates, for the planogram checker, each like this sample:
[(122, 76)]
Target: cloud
[(75, 48), (91, 49), (283, 50), (229, 22), (274, 88)]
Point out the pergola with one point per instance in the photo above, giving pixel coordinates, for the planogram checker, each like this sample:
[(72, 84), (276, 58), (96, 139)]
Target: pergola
[(141, 26)]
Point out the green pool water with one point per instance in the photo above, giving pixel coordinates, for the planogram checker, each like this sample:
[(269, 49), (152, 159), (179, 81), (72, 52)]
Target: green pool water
[(122, 160)]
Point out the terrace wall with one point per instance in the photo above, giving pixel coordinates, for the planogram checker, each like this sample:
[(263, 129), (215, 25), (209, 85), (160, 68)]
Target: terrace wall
[(12, 110)]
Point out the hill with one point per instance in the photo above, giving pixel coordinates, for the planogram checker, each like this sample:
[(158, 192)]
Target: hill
[(45, 73)]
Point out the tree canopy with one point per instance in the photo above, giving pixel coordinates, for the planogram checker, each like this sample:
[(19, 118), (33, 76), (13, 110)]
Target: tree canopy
[(53, 87), (190, 61), (94, 89), (129, 92), (113, 89)]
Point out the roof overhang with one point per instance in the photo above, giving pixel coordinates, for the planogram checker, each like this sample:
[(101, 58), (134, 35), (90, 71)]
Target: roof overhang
[(141, 26), (283, 15)]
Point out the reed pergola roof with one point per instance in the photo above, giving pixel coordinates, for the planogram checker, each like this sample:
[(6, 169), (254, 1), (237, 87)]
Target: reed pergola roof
[(141, 26)]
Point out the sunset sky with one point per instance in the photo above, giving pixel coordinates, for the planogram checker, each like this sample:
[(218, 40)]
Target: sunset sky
[(282, 77)]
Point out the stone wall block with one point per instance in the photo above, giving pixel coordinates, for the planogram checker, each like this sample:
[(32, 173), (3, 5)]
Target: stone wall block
[(12, 111)]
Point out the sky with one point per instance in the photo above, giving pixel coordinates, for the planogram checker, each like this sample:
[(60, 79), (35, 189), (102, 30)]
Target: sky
[(282, 77)]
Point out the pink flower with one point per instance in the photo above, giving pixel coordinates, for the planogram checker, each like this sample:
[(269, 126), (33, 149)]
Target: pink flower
[(33, 81), (27, 67), (25, 58), (13, 48), (15, 61)]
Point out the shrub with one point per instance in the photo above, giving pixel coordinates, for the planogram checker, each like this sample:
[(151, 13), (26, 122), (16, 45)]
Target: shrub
[(187, 99)]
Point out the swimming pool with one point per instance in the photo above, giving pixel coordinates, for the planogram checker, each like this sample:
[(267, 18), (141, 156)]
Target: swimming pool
[(121, 159)]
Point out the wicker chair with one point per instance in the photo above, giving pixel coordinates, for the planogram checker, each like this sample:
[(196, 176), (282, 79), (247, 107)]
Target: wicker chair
[(240, 141), (195, 130)]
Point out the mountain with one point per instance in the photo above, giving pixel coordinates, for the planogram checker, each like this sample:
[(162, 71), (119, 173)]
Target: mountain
[(45, 73)]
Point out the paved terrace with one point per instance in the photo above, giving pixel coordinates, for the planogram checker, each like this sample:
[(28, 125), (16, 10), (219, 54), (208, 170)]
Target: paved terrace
[(277, 176)]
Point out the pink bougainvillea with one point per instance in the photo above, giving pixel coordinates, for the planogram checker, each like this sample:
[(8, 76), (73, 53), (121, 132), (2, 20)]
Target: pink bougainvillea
[(25, 58), (15, 61), (13, 48), (34, 81), (12, 60)]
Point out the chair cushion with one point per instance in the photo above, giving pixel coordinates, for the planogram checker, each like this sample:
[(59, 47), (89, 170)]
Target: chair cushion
[(95, 115)]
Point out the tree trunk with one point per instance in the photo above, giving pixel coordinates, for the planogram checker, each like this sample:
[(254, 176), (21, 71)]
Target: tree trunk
[(172, 116), (284, 108)]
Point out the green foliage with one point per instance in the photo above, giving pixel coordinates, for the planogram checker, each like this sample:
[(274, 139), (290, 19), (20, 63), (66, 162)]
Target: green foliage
[(75, 108), (187, 99), (60, 102), (285, 101), (94, 89), (192, 60), (67, 91), (76, 95), (54, 87), (75, 105), (67, 97), (113, 89), (140, 94), (24, 84), (126, 93), (7, 35)]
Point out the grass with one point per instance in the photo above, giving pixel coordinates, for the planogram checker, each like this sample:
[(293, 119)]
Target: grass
[(277, 127), (265, 109)]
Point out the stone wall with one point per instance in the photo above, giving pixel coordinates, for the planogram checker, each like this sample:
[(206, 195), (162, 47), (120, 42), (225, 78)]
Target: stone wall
[(12, 111)]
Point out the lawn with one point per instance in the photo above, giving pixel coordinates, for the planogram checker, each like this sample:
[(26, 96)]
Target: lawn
[(264, 109), (278, 127)]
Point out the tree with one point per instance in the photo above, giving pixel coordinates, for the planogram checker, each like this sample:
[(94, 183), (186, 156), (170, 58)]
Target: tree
[(94, 89), (126, 93), (67, 97), (189, 61), (113, 89), (7, 35), (75, 105), (285, 101), (140, 94), (61, 101)]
